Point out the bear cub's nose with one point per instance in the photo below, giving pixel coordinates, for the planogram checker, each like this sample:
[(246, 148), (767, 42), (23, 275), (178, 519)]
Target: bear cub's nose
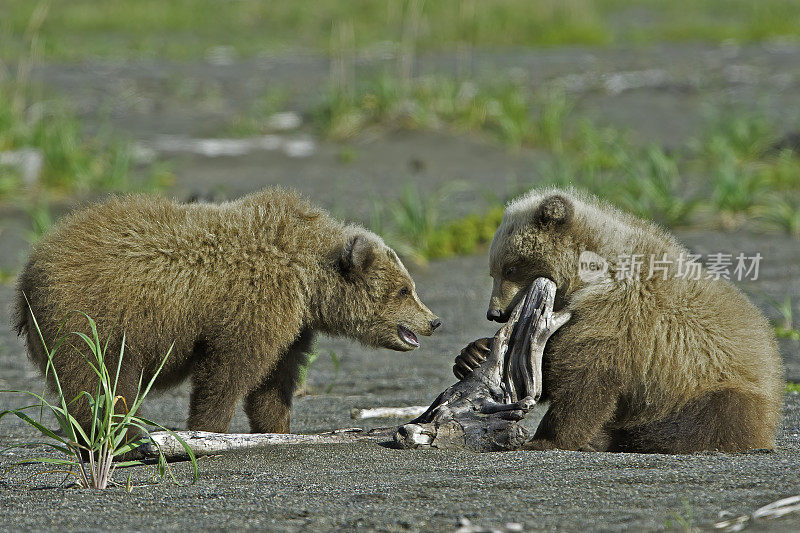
[(435, 323), (494, 314)]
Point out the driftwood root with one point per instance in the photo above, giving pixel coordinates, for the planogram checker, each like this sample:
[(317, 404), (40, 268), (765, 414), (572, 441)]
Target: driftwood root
[(481, 412)]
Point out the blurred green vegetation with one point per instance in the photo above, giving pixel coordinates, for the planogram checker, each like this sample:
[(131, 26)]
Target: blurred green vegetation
[(186, 29), (72, 160), (68, 158), (734, 175), (503, 110), (737, 173)]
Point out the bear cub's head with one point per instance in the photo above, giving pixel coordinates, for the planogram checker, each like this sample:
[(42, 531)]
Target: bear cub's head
[(537, 238), (382, 307)]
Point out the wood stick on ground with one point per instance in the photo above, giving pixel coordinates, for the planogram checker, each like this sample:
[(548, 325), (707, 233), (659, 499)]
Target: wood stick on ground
[(205, 443), (481, 412), (388, 412), (775, 509)]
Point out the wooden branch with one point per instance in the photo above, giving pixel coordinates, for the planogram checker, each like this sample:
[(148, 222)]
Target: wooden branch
[(481, 412), (388, 412), (775, 509), (205, 443)]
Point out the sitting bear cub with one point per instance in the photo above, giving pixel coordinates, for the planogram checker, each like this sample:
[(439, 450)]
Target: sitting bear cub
[(655, 361), (240, 288)]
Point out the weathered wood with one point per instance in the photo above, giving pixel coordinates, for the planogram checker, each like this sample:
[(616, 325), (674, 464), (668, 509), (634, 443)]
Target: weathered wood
[(205, 443), (775, 509), (388, 412), (481, 412)]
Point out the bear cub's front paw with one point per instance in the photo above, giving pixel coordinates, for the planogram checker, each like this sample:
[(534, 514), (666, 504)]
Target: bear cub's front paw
[(472, 356), (539, 444)]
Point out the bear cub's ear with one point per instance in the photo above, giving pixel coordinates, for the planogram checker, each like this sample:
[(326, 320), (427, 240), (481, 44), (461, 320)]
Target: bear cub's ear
[(554, 211), (357, 256)]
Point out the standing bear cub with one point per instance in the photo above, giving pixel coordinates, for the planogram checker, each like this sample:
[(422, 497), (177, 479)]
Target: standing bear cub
[(654, 358), (240, 288)]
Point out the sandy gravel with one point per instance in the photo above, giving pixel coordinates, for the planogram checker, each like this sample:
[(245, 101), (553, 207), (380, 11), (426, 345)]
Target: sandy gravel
[(370, 487)]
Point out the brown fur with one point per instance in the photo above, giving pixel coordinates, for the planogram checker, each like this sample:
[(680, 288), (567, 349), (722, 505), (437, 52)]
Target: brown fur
[(240, 288), (662, 365)]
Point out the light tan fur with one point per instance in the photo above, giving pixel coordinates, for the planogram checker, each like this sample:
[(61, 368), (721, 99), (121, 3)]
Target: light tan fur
[(671, 365), (240, 288)]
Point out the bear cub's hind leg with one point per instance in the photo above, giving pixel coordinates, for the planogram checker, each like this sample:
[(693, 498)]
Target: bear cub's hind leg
[(726, 420), (268, 405), (217, 387)]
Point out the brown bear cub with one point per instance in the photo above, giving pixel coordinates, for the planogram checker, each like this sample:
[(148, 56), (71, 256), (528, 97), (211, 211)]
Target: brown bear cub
[(240, 288), (656, 360)]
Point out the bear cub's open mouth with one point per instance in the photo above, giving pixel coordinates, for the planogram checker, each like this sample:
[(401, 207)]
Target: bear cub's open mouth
[(407, 336)]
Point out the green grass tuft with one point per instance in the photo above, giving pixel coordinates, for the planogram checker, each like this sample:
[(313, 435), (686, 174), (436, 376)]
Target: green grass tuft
[(784, 333), (88, 453), (465, 235), (313, 356), (781, 212), (414, 230), (653, 189), (682, 520), (41, 221)]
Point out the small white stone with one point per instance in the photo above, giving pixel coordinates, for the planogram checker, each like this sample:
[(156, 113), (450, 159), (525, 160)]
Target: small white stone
[(284, 121), (301, 147), (222, 147), (29, 161)]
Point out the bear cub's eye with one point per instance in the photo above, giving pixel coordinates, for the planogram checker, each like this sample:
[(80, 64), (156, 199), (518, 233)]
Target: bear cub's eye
[(509, 271), (404, 292)]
